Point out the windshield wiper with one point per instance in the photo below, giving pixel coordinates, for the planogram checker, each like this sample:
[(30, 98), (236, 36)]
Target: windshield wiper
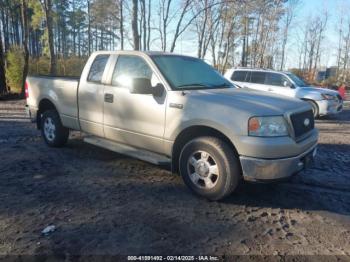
[(221, 85), (193, 85)]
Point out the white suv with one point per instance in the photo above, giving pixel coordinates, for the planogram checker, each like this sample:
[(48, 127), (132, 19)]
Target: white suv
[(323, 101)]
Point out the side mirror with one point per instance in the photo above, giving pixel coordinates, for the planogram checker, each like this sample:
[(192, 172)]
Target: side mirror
[(288, 84), (143, 86)]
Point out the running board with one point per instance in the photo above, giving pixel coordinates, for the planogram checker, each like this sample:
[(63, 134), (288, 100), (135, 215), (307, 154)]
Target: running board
[(141, 154)]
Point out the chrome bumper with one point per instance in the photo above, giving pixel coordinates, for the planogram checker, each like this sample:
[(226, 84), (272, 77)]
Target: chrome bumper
[(256, 169)]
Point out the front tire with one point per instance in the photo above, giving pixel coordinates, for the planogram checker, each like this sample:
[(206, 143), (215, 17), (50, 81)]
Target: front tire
[(209, 167), (314, 108), (52, 130)]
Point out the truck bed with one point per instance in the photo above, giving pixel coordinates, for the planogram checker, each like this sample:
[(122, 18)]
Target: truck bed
[(61, 91)]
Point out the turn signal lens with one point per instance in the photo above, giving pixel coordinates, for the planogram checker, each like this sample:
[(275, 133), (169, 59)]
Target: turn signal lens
[(253, 125)]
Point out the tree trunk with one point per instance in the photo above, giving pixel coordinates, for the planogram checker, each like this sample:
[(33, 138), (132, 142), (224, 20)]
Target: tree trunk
[(149, 25), (48, 16), (89, 27), (121, 25), (135, 31), (3, 87), (25, 31)]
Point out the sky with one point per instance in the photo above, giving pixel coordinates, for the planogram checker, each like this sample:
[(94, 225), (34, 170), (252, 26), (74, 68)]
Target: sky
[(311, 8), (187, 42), (307, 8)]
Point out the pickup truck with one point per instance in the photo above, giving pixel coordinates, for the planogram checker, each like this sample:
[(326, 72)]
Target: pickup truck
[(173, 109)]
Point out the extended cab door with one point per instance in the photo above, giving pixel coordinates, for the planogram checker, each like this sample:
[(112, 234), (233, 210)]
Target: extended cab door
[(91, 93), (133, 119)]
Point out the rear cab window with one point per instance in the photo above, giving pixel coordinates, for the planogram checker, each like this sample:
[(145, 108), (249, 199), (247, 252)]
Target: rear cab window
[(97, 68)]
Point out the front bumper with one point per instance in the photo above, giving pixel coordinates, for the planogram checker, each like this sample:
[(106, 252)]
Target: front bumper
[(329, 107), (256, 169)]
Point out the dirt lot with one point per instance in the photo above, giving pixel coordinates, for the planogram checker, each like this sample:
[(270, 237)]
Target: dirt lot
[(105, 203)]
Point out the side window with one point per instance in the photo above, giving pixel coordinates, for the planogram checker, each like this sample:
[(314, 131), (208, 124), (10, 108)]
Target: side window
[(258, 77), (239, 76), (129, 67), (275, 79), (97, 68)]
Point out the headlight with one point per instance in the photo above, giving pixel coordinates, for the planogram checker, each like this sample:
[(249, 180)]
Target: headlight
[(328, 97), (267, 126)]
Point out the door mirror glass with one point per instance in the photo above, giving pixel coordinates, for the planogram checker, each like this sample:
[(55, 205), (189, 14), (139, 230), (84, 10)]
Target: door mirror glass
[(144, 86), (140, 86), (286, 84)]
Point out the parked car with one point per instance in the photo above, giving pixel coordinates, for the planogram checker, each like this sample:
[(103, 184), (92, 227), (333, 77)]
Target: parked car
[(323, 101), (166, 108)]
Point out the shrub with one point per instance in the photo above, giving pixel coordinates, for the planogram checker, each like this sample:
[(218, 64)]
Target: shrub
[(71, 66), (14, 69), (39, 66)]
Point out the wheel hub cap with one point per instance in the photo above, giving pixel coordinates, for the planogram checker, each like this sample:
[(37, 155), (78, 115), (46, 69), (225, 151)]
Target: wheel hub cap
[(203, 170), (49, 129)]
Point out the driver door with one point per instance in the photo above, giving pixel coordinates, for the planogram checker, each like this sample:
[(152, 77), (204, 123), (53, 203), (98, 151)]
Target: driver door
[(134, 119), (279, 84)]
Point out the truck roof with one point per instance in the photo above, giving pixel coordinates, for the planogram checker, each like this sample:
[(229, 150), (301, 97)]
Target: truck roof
[(134, 52)]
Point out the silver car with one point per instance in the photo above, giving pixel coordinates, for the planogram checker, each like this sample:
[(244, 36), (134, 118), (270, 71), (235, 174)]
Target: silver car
[(323, 101)]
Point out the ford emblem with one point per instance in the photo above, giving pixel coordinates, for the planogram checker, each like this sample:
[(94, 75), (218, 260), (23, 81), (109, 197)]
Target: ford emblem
[(306, 122)]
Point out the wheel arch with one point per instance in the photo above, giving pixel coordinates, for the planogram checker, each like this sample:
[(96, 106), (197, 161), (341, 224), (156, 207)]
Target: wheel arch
[(313, 102), (44, 105), (193, 132)]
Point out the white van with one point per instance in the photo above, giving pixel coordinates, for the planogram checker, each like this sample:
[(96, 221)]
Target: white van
[(323, 101)]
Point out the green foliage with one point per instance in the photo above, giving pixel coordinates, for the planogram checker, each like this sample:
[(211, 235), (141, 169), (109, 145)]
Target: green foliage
[(37, 15), (71, 66), (15, 63)]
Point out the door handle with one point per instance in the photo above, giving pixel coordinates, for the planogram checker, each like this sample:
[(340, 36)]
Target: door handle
[(109, 98)]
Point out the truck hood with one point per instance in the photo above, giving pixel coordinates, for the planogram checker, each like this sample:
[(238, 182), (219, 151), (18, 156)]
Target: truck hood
[(247, 101)]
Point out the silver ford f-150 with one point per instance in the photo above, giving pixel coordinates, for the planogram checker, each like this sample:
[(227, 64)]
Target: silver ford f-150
[(166, 108)]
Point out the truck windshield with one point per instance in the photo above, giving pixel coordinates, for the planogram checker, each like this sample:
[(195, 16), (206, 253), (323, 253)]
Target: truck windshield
[(184, 73), (298, 81)]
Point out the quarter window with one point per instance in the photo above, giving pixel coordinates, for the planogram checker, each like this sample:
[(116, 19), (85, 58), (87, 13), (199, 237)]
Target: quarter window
[(239, 76), (258, 77), (129, 67), (97, 68)]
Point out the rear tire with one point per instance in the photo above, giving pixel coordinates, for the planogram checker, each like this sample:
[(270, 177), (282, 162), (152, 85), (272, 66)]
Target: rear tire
[(52, 130), (209, 167)]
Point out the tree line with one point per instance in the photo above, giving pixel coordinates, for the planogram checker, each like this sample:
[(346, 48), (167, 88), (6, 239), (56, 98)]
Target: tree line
[(48, 36)]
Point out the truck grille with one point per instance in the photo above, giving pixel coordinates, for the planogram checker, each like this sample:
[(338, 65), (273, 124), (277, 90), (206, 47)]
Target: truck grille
[(300, 123)]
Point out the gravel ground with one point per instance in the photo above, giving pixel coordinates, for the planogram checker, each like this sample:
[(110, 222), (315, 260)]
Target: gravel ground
[(105, 203)]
